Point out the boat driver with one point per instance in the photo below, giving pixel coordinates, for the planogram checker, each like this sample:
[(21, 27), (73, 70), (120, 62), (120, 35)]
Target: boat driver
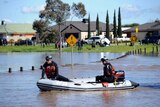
[(108, 72), (50, 68)]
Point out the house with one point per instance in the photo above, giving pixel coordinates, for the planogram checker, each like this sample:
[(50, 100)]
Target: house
[(80, 29), (15, 32), (152, 28)]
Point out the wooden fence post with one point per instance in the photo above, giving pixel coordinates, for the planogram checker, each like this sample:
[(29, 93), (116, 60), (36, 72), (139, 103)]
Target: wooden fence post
[(144, 50), (9, 70), (21, 69)]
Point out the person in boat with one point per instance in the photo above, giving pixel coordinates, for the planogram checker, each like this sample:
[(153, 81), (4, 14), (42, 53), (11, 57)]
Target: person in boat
[(108, 72), (50, 68)]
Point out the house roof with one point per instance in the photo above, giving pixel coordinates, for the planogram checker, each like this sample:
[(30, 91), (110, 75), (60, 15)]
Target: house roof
[(69, 26), (157, 27), (145, 27), (17, 28), (83, 27)]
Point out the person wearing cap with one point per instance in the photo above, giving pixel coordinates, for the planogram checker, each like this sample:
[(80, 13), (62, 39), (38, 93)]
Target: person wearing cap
[(108, 73), (50, 68)]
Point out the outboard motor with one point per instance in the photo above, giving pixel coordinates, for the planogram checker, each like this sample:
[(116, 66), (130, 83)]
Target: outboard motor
[(119, 75)]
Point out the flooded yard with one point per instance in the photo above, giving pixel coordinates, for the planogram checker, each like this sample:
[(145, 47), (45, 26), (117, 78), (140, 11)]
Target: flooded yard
[(19, 89)]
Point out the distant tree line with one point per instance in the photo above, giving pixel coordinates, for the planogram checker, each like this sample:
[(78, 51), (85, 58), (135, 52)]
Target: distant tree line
[(117, 31), (130, 25)]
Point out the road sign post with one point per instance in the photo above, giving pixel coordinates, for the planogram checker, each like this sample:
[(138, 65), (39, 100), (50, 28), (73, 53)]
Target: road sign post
[(71, 41), (134, 40), (137, 29)]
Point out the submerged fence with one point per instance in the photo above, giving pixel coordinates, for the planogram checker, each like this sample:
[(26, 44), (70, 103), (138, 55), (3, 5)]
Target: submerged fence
[(21, 69), (144, 51)]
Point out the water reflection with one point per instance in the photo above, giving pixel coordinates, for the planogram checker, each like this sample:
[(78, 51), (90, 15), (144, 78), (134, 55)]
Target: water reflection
[(85, 98)]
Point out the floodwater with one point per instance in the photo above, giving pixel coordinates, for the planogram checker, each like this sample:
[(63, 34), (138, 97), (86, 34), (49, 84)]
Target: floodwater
[(18, 89), (26, 60)]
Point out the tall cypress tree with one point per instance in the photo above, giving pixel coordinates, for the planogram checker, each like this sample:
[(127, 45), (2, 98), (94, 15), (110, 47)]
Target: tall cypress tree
[(119, 24), (107, 25), (97, 25), (114, 25), (89, 28)]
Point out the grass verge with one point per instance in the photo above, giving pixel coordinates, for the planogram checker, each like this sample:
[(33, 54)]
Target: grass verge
[(87, 48)]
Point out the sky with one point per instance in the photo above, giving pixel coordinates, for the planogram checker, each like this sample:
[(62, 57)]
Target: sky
[(132, 11)]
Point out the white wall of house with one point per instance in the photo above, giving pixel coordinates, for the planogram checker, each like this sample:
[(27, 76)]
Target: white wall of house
[(103, 33), (93, 33), (124, 35), (18, 37), (111, 34), (84, 35)]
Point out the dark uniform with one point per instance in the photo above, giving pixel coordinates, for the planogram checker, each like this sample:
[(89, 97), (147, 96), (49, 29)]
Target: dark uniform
[(108, 75), (51, 71)]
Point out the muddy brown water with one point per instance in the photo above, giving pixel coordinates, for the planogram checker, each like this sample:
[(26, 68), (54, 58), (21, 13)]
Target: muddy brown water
[(18, 89)]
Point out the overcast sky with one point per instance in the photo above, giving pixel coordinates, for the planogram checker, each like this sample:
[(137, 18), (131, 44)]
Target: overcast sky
[(132, 11)]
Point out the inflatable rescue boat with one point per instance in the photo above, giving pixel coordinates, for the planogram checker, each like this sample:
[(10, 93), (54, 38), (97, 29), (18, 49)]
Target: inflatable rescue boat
[(87, 84)]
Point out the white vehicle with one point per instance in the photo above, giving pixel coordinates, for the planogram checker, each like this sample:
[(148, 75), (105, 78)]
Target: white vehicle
[(158, 42), (91, 39), (98, 40), (122, 39), (105, 41), (64, 44)]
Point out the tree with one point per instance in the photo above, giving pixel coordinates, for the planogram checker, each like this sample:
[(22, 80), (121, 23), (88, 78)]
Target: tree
[(114, 25), (78, 10), (119, 24), (40, 26), (107, 26), (131, 25), (97, 25), (46, 33), (89, 27), (55, 11)]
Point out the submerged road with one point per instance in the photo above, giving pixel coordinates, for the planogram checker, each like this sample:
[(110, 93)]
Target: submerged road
[(19, 89)]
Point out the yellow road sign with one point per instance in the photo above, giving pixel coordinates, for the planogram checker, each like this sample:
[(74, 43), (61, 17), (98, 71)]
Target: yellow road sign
[(137, 29), (134, 38), (71, 40)]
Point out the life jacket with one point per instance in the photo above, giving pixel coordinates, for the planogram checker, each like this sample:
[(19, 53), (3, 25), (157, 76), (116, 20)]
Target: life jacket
[(50, 71), (113, 70)]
